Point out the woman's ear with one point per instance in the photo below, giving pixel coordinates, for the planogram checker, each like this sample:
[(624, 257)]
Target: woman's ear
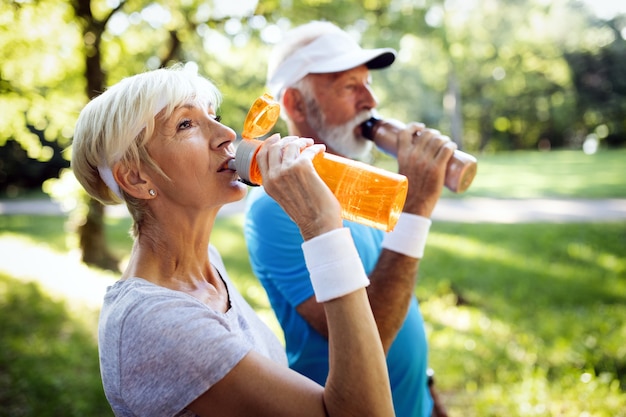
[(294, 105), (133, 181)]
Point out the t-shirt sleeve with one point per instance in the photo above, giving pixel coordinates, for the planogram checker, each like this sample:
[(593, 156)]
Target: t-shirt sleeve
[(275, 248), (173, 350)]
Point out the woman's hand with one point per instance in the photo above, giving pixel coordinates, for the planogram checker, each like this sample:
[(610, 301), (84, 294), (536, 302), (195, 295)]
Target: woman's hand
[(289, 177)]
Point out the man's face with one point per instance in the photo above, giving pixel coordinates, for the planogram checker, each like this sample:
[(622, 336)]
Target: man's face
[(341, 102)]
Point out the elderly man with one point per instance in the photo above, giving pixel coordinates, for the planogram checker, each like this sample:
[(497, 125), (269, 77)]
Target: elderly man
[(321, 76)]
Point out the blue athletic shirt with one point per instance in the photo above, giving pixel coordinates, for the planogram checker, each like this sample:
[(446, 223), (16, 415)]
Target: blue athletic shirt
[(274, 245)]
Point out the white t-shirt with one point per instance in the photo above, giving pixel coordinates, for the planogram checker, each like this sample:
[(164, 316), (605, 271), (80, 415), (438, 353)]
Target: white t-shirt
[(161, 349)]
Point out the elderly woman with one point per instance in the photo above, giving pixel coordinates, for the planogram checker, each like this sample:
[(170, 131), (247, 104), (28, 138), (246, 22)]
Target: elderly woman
[(175, 336)]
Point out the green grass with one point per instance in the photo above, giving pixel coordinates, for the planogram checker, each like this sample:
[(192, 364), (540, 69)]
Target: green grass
[(528, 319), (523, 319), (48, 357), (563, 174), (557, 174)]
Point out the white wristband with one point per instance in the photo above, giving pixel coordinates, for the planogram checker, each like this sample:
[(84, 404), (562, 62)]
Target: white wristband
[(334, 265), (409, 235)]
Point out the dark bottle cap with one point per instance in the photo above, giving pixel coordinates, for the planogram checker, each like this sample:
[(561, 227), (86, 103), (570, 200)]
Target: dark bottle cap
[(367, 127)]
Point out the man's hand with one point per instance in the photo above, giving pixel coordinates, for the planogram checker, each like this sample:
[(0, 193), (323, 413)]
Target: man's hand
[(423, 155)]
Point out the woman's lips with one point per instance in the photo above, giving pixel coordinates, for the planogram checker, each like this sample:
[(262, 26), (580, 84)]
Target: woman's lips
[(228, 165)]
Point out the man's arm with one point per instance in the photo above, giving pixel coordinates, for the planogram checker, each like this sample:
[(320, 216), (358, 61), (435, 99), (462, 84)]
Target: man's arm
[(390, 292), (422, 158)]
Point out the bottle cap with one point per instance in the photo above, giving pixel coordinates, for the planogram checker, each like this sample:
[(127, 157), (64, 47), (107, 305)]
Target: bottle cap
[(367, 127), (262, 116), (245, 165)]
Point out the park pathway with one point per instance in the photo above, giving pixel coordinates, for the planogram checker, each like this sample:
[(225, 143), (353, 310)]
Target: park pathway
[(469, 210)]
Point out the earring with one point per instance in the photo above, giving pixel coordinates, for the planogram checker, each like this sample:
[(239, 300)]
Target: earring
[(151, 192)]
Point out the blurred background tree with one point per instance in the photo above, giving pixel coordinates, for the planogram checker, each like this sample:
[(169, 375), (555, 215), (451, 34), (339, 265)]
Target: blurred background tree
[(493, 74)]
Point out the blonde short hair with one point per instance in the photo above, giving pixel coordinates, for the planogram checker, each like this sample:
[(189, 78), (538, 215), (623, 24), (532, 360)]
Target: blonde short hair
[(116, 125)]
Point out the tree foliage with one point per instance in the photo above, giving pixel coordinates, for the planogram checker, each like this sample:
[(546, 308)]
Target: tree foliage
[(494, 74), (516, 69)]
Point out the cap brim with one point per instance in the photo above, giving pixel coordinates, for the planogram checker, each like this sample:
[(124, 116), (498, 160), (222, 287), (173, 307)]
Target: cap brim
[(383, 60)]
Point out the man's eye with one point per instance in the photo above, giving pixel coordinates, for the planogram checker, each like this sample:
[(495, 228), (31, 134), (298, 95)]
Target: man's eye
[(218, 118)]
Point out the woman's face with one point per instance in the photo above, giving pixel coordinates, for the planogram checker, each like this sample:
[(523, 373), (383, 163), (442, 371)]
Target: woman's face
[(193, 149)]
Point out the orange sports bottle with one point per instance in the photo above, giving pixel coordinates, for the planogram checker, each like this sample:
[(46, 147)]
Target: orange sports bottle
[(367, 195)]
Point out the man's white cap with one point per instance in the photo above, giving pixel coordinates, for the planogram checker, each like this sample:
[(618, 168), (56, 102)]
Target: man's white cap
[(333, 50)]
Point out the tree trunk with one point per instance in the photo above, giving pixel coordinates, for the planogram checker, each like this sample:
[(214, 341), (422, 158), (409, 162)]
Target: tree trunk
[(452, 106), (93, 238), (91, 231), (486, 128)]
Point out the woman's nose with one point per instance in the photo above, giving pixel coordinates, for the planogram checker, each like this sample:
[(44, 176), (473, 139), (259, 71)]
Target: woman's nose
[(222, 136)]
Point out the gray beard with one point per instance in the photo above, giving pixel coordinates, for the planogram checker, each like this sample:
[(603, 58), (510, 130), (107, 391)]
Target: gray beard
[(341, 138)]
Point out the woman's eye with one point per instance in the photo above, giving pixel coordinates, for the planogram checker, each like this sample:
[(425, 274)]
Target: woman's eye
[(218, 118), (185, 124)]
